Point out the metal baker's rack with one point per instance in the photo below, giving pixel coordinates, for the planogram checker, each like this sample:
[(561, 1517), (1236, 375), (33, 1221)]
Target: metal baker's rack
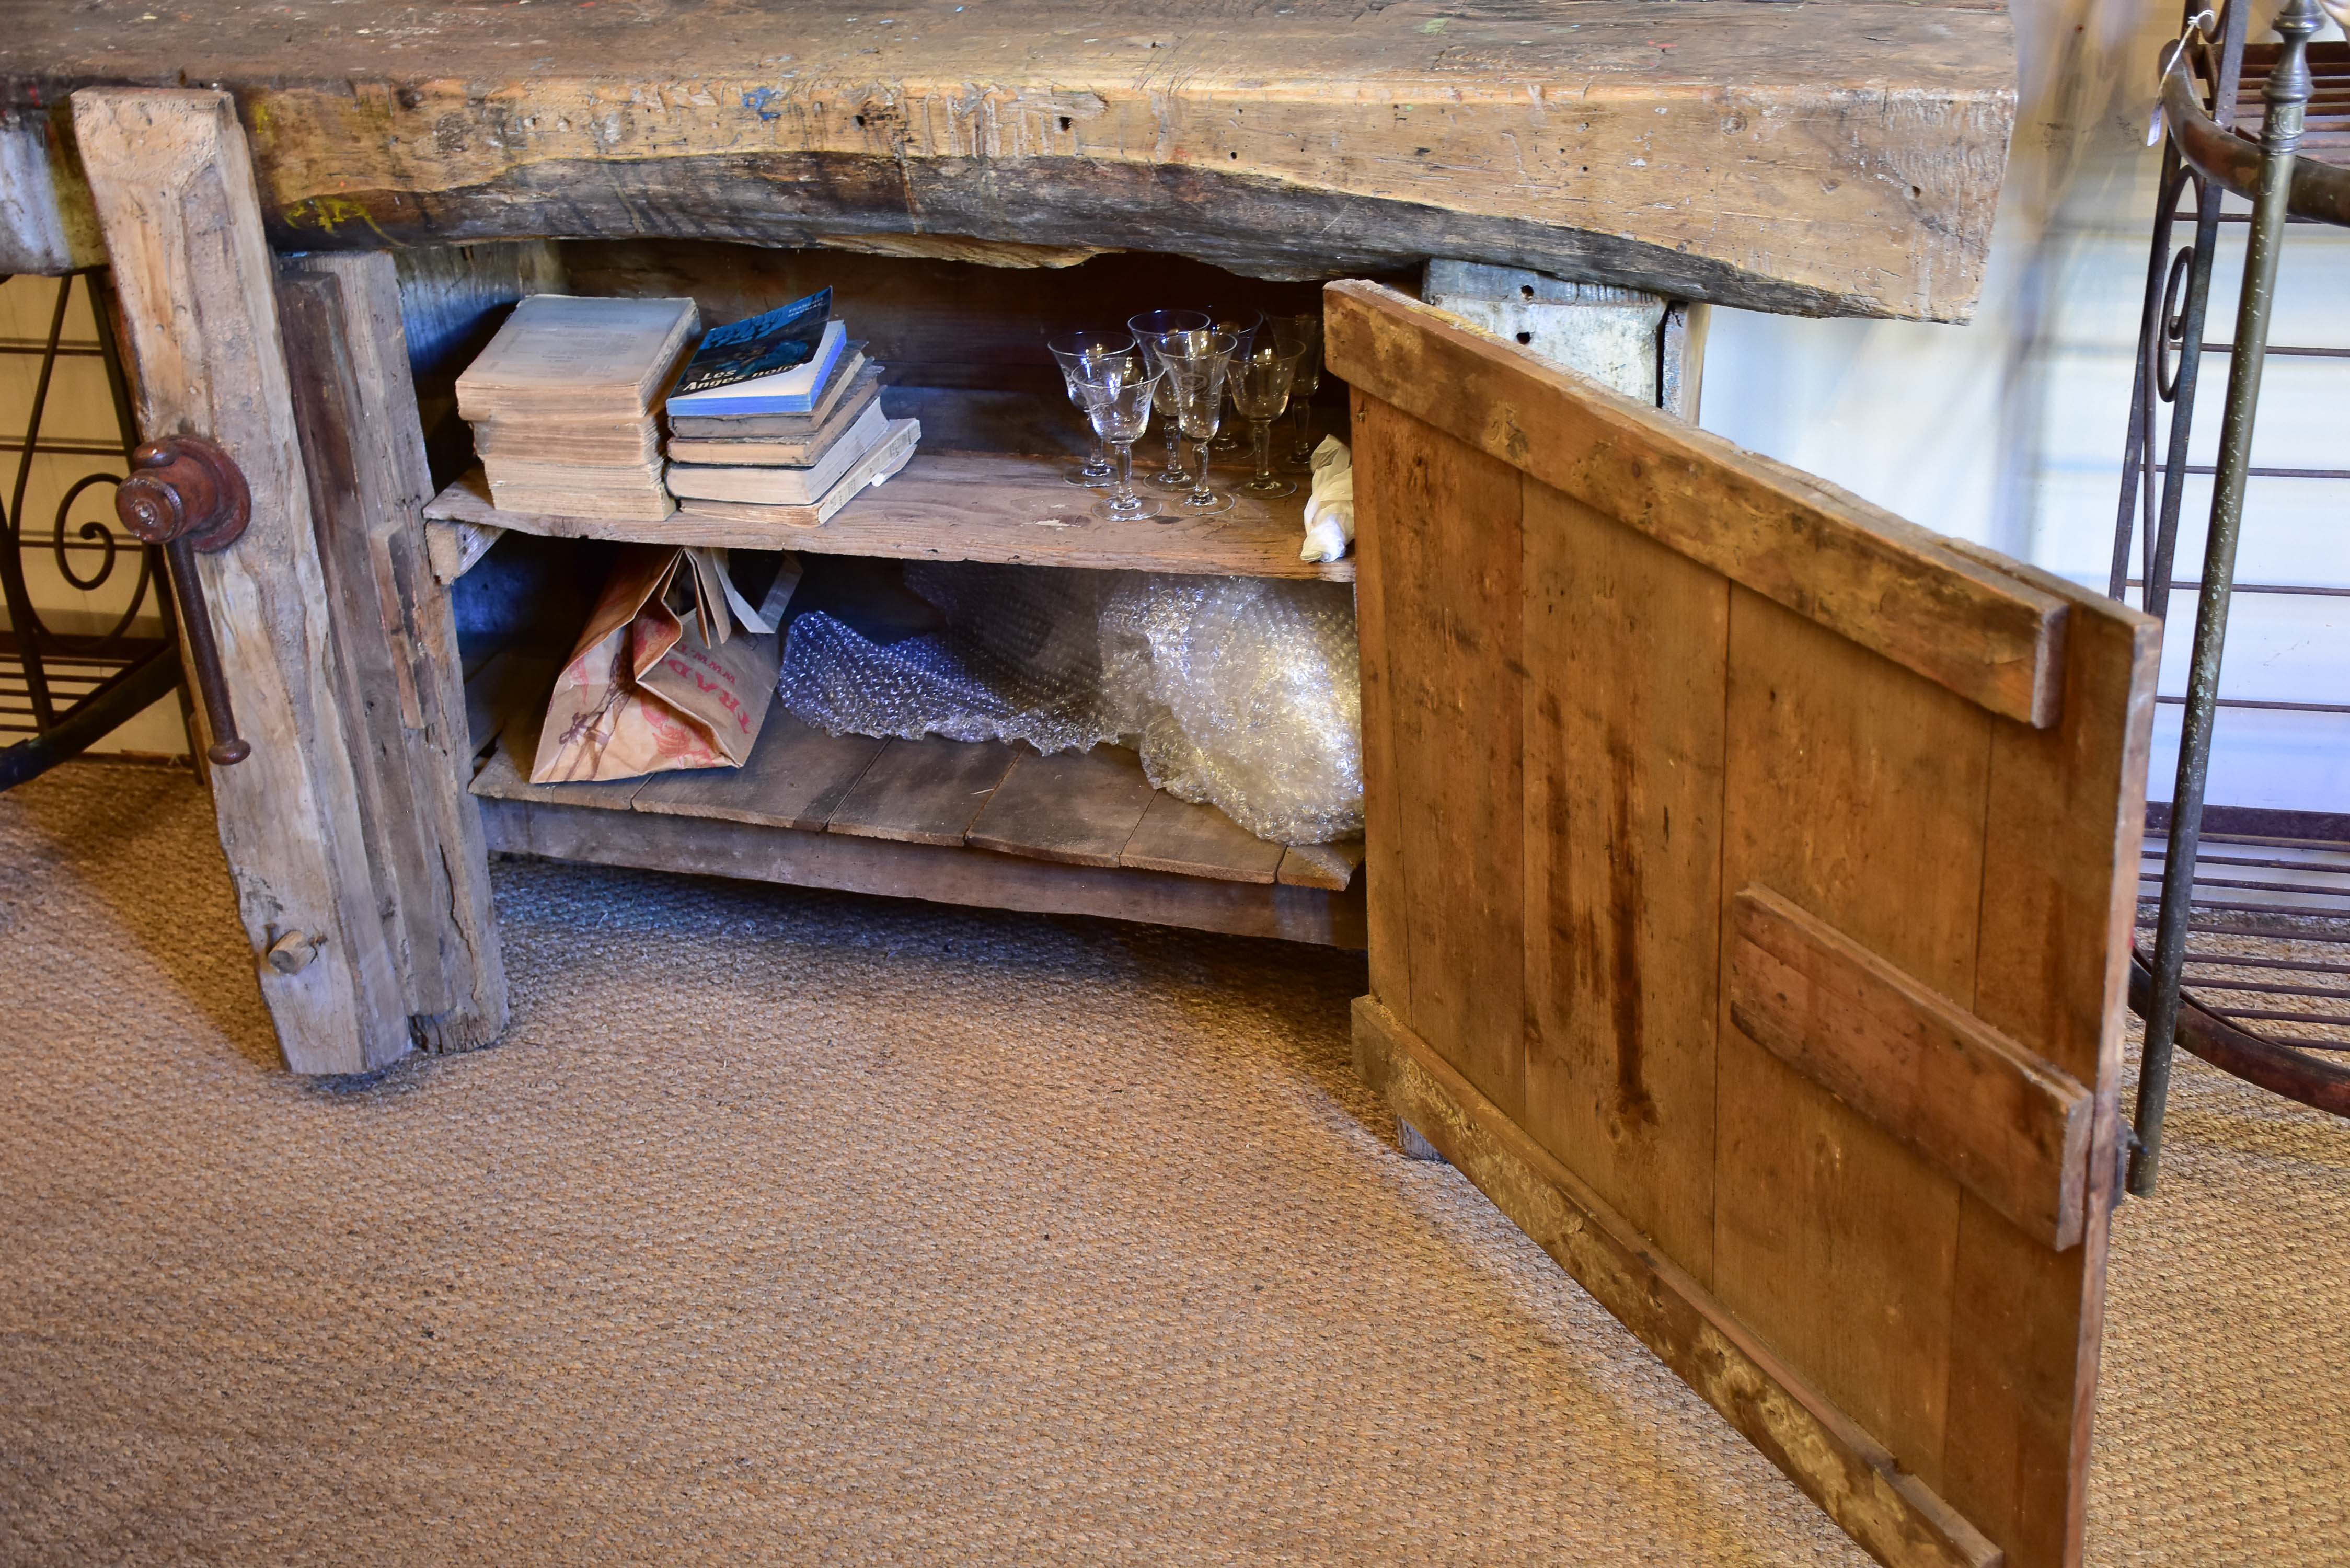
[(2249, 966)]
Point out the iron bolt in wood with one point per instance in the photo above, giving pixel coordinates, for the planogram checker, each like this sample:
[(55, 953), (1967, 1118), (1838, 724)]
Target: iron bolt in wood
[(186, 495)]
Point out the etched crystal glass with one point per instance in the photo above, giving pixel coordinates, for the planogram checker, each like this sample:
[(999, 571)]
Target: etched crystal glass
[(1197, 363), (1073, 351), (1146, 328), (1261, 384), (1117, 390)]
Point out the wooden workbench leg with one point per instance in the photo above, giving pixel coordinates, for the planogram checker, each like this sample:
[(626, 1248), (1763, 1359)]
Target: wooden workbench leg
[(173, 181), (396, 640)]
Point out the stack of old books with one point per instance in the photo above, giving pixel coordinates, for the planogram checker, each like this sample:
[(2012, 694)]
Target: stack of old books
[(781, 411), (561, 404)]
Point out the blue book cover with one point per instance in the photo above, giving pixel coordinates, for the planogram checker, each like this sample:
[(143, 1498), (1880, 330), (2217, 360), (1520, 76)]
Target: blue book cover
[(770, 364)]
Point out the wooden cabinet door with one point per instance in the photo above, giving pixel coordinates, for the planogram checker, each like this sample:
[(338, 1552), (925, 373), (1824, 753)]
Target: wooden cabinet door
[(1750, 876)]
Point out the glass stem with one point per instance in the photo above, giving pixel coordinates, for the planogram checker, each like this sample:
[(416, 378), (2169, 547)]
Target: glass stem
[(1261, 437), (1200, 495), (1174, 448), (1304, 451), (1100, 464), (1124, 494)]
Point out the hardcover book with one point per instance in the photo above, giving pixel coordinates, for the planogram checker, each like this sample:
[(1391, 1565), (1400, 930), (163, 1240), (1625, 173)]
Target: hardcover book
[(769, 364)]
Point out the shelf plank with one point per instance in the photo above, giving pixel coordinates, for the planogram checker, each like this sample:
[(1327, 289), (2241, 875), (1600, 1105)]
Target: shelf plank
[(795, 775), (961, 506), (1202, 871), (1199, 841), (1329, 866), (506, 775), (1075, 807), (923, 791), (973, 877)]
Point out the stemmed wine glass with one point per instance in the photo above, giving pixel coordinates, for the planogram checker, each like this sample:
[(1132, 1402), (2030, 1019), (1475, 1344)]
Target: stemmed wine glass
[(1117, 389), (1244, 325), (1197, 362), (1261, 384), (1074, 351), (1146, 328), (1306, 331)]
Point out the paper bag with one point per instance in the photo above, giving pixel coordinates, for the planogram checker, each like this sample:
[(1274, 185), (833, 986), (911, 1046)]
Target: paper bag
[(659, 680)]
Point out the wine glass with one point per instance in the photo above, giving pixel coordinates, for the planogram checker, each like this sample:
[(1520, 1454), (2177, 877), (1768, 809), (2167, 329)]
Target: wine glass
[(1261, 384), (1306, 332), (1197, 362), (1117, 389), (1146, 327), (1244, 325), (1073, 351)]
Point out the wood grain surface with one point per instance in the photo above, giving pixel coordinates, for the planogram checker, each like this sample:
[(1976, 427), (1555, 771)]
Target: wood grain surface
[(2009, 1124), (1823, 159), (960, 506), (1884, 582), (1868, 1127), (173, 179), (1897, 1517), (1077, 807), (396, 635)]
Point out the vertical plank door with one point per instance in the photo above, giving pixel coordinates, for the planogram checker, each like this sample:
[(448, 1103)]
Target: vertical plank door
[(1750, 877)]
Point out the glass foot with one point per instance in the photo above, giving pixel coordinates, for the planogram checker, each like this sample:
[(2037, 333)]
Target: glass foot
[(1178, 480), (1217, 502), (1086, 476), (1270, 488), (1124, 509)]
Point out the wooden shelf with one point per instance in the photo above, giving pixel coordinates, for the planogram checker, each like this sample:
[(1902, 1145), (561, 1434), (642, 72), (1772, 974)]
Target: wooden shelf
[(991, 825), (950, 506)]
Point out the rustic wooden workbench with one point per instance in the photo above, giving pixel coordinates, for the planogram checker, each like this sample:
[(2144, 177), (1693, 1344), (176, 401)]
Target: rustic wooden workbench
[(1749, 873), (1823, 159)]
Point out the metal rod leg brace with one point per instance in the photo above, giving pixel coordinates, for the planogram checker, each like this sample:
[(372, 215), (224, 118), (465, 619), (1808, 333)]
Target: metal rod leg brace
[(2286, 95)]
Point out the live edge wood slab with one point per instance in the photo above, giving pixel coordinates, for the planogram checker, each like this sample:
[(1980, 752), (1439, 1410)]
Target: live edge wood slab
[(1839, 159)]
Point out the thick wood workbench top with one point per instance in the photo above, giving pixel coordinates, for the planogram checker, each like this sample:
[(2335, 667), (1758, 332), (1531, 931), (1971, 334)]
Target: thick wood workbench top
[(1822, 158)]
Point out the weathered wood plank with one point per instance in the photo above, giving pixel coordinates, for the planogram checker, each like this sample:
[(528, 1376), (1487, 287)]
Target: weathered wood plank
[(456, 549), (1330, 866), (1865, 1489), (794, 777), (174, 186), (1448, 625), (1623, 843), (1077, 807), (506, 775), (1839, 159), (1857, 789), (393, 620), (2060, 891), (941, 874), (1888, 585), (1388, 951), (957, 506), (1199, 841), (922, 792), (2009, 1124)]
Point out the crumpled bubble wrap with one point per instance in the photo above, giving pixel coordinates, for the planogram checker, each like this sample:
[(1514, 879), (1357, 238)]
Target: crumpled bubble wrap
[(1019, 661), (1241, 693), (1244, 692)]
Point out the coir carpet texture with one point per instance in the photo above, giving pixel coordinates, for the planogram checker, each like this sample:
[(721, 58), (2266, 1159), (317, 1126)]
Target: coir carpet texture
[(800, 1228)]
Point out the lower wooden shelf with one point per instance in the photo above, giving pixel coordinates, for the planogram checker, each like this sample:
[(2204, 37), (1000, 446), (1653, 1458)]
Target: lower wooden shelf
[(995, 825)]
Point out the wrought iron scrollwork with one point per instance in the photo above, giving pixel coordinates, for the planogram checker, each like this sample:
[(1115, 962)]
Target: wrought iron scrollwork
[(61, 686)]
